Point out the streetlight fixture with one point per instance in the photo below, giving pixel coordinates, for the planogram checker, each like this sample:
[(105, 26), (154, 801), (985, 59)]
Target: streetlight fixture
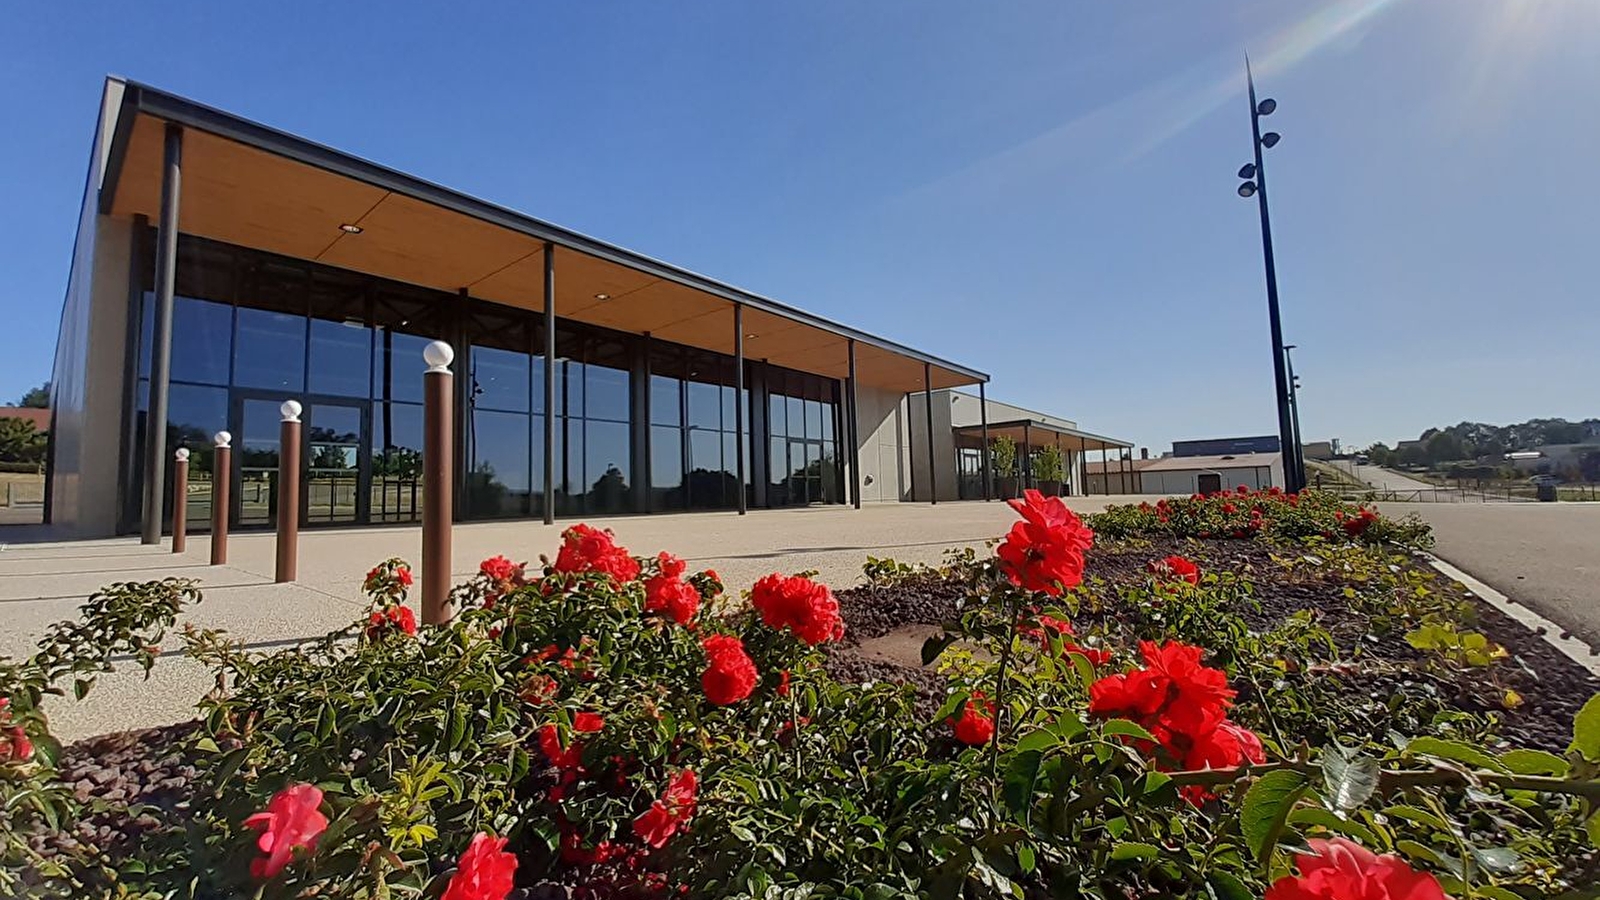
[(1254, 184)]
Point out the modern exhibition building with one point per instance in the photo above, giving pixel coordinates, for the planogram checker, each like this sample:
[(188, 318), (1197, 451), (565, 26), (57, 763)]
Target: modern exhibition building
[(222, 267)]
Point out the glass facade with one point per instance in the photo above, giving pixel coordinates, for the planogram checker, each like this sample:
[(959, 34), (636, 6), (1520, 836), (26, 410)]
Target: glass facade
[(641, 425)]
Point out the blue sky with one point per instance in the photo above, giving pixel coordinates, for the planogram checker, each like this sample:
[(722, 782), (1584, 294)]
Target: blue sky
[(1041, 190)]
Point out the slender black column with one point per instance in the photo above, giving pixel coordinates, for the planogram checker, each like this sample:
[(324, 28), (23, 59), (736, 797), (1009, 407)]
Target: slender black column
[(738, 402), (927, 395), (983, 416), (1027, 457), (853, 427), (155, 451), (549, 383)]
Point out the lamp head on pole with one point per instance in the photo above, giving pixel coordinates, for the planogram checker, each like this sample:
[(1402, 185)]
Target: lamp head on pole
[(222, 439), (438, 355), (290, 410), (1248, 189), (182, 455)]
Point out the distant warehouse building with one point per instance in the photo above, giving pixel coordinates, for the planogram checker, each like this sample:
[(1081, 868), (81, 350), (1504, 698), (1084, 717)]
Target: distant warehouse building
[(1208, 474)]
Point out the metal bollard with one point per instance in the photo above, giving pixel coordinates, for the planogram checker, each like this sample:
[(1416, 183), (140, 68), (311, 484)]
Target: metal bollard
[(437, 506), (221, 484), (288, 492), (180, 499)]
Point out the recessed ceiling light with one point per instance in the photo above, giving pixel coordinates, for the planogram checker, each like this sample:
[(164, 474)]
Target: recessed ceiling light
[(602, 297), (348, 228), (750, 336)]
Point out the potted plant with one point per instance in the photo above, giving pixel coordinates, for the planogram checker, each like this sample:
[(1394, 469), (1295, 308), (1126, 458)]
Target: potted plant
[(1003, 456), (1047, 470)]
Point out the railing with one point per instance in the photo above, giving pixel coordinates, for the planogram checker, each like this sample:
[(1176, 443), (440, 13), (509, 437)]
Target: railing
[(1488, 492)]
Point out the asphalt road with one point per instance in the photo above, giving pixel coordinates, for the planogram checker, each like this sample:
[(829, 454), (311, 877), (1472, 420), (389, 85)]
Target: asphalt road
[(1384, 479), (1544, 555)]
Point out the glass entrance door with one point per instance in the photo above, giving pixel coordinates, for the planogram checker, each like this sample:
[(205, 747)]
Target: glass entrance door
[(255, 497), (337, 466)]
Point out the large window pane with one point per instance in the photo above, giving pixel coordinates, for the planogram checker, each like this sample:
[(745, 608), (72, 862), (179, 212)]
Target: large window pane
[(569, 468), (664, 400), (708, 480), (607, 469), (194, 415), (341, 358), (271, 352), (497, 478), (797, 416), (813, 419), (607, 393), (829, 416), (778, 466), (666, 467), (500, 379), (705, 406), (397, 366), (775, 415), (202, 340), (728, 413)]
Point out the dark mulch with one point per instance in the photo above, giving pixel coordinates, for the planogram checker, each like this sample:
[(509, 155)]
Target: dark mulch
[(1552, 686)]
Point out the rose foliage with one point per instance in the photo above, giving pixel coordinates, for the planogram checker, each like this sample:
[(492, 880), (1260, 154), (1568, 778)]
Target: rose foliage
[(585, 726)]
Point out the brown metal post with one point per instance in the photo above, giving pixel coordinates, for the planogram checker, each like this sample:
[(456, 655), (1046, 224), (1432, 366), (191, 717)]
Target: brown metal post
[(288, 492), (180, 499), (221, 484), (437, 464)]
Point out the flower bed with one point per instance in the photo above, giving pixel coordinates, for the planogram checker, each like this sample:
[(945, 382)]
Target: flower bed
[(1287, 706)]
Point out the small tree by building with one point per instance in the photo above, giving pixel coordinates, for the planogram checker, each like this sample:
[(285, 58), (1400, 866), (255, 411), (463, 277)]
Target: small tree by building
[(37, 398)]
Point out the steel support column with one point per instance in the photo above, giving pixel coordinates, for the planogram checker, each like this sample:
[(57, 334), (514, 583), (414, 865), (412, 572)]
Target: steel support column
[(853, 428), (155, 449), (738, 401), (983, 417), (927, 396), (549, 383)]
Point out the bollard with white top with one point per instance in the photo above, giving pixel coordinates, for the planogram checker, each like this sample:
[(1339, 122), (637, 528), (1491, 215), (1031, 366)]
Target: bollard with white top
[(288, 492), (437, 463), (221, 483), (180, 499)]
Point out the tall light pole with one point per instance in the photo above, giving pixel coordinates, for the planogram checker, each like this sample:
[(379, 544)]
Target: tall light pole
[(1255, 184)]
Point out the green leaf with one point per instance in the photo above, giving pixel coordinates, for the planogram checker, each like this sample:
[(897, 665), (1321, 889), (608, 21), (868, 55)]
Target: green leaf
[(1350, 779), (1266, 805), (1017, 788), (1135, 850), (1228, 887), (1025, 858), (1593, 828), (80, 687), (1128, 729), (1499, 860), (932, 647), (1586, 731), (1316, 815), (1534, 762), (1040, 740), (1453, 750), (1418, 816), (742, 833)]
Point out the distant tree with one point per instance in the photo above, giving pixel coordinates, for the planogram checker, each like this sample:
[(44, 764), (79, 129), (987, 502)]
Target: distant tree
[(1380, 454), (1589, 466), (20, 442), (37, 398), (1443, 447)]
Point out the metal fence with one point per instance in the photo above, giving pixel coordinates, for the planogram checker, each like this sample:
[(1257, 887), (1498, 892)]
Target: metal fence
[(1485, 492)]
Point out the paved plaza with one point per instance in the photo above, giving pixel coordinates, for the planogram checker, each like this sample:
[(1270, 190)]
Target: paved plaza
[(41, 583)]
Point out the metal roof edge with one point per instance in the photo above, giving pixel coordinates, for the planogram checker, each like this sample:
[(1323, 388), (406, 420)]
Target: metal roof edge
[(172, 107)]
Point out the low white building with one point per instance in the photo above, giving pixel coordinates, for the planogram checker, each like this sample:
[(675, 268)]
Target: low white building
[(1208, 474)]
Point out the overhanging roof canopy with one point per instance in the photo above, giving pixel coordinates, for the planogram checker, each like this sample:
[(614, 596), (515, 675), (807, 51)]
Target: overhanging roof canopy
[(244, 183), (1038, 434)]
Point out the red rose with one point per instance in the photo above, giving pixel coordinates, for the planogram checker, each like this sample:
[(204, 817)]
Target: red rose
[(1044, 551), (1229, 509), (539, 689), (292, 820), (395, 618), (799, 604), (1357, 525), (1227, 746), (1175, 568), (783, 684), (671, 566), (1173, 691), (669, 595), (550, 744), (586, 549), (15, 745), (499, 569), (1341, 869), (402, 574), (974, 727), (1243, 489), (485, 871), (656, 825), (588, 722), (731, 674)]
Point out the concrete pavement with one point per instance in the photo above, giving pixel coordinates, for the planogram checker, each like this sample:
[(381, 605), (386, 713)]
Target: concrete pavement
[(41, 583)]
